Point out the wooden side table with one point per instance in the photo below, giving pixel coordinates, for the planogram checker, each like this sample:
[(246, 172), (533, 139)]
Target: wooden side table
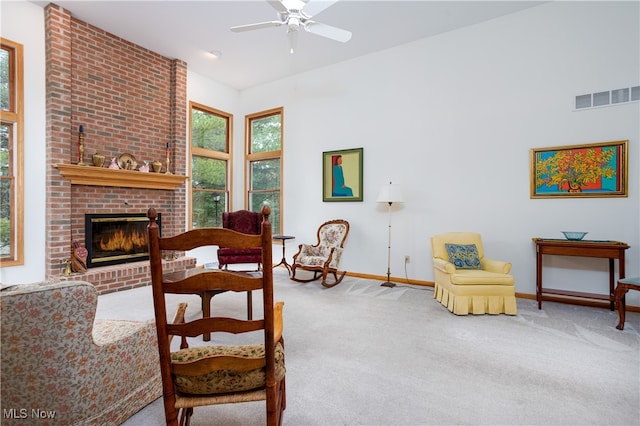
[(283, 238), (585, 248), (624, 285), (207, 295)]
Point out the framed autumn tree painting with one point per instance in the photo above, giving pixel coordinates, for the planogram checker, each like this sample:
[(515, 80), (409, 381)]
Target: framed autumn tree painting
[(591, 170)]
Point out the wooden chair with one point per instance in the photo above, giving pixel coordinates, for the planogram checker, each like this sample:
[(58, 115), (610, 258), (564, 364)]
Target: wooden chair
[(323, 257), (210, 375), (246, 222)]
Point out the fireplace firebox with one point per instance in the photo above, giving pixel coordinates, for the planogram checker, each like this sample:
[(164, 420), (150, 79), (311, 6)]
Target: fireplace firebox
[(112, 238)]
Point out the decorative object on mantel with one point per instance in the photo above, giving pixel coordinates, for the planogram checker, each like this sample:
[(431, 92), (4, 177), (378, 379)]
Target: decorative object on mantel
[(156, 166), (103, 176), (81, 147), (573, 235), (127, 162), (78, 257), (145, 167), (114, 164), (168, 172), (98, 159)]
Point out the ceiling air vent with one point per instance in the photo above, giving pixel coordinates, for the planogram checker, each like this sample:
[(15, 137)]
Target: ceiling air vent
[(610, 97)]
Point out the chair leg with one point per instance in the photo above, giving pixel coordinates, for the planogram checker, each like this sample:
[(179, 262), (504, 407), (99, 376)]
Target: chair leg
[(337, 279), (206, 311), (185, 416), (300, 280)]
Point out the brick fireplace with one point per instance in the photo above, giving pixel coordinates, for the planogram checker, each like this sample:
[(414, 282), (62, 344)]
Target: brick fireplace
[(129, 100)]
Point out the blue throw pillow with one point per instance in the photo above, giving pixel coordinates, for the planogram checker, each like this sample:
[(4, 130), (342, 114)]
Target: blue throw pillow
[(463, 256)]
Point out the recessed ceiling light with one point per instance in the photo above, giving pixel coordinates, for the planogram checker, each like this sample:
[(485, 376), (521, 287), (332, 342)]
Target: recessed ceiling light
[(215, 53)]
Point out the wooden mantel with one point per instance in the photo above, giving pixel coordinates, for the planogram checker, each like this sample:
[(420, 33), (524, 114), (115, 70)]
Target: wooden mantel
[(102, 176)]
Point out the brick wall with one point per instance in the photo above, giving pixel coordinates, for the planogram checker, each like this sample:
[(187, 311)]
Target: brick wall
[(128, 100)]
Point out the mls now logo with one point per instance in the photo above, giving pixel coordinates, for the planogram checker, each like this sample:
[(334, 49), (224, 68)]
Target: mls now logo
[(23, 413)]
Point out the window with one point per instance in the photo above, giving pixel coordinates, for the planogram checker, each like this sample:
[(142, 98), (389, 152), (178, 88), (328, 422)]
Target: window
[(210, 165), (264, 163), (11, 154)]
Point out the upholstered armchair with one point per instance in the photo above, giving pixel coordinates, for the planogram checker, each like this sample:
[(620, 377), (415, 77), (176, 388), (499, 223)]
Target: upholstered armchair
[(58, 359), (324, 256), (466, 281), (246, 222)]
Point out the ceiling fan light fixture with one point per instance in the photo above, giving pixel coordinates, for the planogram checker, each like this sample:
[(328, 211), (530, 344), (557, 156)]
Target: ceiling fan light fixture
[(291, 14), (292, 35)]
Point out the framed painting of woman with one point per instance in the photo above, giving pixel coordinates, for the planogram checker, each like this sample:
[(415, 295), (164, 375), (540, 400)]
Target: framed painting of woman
[(342, 175)]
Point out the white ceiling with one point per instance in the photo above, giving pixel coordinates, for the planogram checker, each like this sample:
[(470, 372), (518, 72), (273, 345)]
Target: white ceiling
[(189, 30)]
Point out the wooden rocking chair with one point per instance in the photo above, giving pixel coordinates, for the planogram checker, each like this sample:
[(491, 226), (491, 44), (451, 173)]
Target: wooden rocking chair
[(323, 257)]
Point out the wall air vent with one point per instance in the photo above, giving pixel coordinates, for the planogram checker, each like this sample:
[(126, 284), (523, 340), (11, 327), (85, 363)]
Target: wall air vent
[(607, 98)]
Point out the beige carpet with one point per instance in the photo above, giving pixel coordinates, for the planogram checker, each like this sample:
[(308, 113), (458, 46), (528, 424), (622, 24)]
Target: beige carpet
[(361, 354)]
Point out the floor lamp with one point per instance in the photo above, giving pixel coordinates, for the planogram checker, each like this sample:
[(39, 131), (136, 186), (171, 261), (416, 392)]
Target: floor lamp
[(389, 194)]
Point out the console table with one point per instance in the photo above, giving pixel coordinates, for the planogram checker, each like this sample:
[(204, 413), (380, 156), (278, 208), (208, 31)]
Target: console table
[(584, 248)]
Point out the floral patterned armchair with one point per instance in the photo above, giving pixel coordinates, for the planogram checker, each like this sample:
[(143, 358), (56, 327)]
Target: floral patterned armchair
[(323, 257), (78, 370)]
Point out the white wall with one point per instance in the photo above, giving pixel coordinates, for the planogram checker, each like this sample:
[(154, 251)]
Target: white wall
[(452, 118), (23, 22)]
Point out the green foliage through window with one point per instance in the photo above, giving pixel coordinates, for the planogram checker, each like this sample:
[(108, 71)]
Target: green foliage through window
[(209, 131), (11, 153), (5, 88), (265, 134), (265, 164), (209, 166)]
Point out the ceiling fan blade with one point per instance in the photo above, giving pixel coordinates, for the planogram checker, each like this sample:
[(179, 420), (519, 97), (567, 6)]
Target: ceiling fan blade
[(328, 31), (277, 5), (313, 7), (292, 35), (257, 26)]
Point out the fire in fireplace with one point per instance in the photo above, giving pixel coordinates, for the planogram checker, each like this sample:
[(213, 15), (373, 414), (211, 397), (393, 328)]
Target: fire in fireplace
[(111, 239)]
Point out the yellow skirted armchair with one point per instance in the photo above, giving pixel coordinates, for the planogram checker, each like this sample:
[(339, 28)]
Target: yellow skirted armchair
[(467, 282)]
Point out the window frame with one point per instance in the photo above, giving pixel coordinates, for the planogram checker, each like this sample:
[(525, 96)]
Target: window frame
[(215, 155), (261, 156), (14, 118)]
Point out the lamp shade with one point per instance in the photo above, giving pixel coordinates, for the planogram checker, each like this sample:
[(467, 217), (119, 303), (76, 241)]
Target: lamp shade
[(390, 194)]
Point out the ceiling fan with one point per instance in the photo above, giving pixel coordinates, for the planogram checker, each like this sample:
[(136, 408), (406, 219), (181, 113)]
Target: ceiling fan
[(296, 14)]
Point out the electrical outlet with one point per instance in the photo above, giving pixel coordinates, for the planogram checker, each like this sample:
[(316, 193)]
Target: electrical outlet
[(407, 259)]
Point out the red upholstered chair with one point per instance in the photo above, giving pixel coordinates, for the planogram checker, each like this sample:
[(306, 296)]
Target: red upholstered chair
[(246, 222)]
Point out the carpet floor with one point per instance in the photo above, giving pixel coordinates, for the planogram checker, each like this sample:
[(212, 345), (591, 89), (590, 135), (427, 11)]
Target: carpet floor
[(361, 354)]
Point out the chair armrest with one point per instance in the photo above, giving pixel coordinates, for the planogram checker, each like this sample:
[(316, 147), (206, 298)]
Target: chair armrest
[(277, 321), (106, 332), (444, 265), (306, 249), (179, 319), (335, 254), (497, 266), (314, 250)]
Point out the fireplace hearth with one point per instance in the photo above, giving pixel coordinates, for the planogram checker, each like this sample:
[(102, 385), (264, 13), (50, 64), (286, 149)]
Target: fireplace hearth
[(112, 238)]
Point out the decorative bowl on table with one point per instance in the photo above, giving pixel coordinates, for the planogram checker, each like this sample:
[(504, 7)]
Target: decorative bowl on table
[(573, 235)]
